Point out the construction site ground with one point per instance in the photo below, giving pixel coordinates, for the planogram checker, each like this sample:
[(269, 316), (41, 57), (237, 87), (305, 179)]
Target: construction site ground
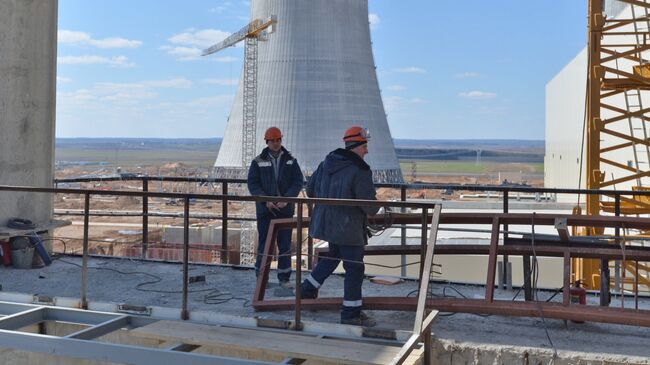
[(227, 291)]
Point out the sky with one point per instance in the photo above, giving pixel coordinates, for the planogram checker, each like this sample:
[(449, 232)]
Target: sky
[(447, 69)]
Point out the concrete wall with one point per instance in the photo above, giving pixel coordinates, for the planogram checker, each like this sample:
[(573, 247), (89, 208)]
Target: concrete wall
[(27, 105)]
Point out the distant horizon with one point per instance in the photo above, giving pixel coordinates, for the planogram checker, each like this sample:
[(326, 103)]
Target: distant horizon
[(394, 139)]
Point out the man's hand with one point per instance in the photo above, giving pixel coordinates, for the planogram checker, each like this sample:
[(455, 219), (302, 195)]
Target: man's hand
[(271, 206), (280, 205)]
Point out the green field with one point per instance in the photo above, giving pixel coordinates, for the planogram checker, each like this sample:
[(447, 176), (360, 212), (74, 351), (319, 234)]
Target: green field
[(148, 157), (470, 167)]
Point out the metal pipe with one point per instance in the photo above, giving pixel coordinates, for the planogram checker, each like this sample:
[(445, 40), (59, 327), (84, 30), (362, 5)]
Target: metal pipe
[(145, 218), (310, 242), (423, 240), (84, 259), (224, 223), (427, 186), (298, 325), (185, 314), (403, 232), (505, 237)]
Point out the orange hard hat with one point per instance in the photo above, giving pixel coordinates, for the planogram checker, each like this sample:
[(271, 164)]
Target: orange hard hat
[(356, 134), (272, 133)]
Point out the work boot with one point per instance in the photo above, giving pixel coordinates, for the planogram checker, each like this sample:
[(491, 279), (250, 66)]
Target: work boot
[(309, 293), (362, 320), (286, 284)]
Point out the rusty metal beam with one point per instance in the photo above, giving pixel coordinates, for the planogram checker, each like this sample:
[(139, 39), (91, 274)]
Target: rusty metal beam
[(498, 307)]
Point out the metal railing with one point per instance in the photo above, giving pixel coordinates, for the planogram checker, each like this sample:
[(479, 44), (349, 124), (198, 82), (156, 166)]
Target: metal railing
[(508, 192), (145, 194)]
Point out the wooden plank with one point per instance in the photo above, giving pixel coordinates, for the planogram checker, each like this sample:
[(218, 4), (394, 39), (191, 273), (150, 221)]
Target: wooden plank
[(287, 345)]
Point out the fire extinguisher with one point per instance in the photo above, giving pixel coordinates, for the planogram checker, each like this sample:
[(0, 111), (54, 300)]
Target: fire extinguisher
[(578, 296), (4, 252)]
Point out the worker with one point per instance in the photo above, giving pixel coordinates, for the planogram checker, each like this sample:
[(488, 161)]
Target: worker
[(343, 175), (275, 172)]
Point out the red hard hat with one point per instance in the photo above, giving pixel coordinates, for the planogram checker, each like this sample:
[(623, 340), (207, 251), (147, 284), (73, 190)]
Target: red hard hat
[(272, 133), (356, 134)]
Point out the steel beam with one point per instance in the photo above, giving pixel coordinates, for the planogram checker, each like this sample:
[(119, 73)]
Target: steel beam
[(23, 319), (480, 306), (109, 352), (101, 329)]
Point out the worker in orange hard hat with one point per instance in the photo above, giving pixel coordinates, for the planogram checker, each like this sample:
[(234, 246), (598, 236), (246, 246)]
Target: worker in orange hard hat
[(272, 134), (275, 172), (343, 175)]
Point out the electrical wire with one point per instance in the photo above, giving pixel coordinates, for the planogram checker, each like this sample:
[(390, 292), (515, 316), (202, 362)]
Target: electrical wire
[(212, 296), (535, 291)]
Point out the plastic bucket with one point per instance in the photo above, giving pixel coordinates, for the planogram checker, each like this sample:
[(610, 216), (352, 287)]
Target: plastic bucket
[(22, 259)]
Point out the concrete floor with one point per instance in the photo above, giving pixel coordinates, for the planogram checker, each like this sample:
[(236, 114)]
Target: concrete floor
[(470, 338)]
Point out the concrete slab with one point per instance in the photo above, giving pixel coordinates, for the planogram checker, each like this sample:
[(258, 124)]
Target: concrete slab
[(460, 338)]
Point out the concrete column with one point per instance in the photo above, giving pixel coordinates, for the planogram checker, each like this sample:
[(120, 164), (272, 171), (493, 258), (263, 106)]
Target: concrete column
[(28, 36)]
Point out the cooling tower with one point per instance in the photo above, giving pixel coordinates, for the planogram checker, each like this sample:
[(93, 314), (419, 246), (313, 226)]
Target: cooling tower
[(316, 77)]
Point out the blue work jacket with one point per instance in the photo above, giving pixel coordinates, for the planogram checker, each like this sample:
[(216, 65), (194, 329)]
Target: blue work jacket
[(343, 175), (262, 181)]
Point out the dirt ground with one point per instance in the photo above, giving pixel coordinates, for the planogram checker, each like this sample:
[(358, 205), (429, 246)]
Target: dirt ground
[(110, 239)]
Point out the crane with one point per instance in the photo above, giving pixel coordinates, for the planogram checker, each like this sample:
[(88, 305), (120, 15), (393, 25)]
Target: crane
[(255, 31), (619, 70)]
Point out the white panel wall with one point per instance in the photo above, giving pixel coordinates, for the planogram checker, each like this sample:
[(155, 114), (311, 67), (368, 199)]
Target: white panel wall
[(565, 107)]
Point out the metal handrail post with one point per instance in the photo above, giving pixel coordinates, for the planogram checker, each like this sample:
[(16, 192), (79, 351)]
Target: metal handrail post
[(298, 325), (403, 232), (84, 259), (505, 237), (186, 250), (224, 223), (310, 242), (145, 218)]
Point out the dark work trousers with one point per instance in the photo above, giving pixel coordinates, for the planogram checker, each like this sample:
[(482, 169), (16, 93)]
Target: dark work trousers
[(354, 270), (284, 248)]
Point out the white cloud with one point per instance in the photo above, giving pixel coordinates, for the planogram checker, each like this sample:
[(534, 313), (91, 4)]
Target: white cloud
[(395, 88), (477, 95), (71, 37), (63, 80), (211, 101), (131, 93), (224, 59), (411, 70), (374, 20), (221, 8), (177, 83), (200, 38), (465, 75), (116, 61), (189, 45), (395, 103), (80, 95), (218, 9), (82, 38), (183, 53), (223, 82)]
